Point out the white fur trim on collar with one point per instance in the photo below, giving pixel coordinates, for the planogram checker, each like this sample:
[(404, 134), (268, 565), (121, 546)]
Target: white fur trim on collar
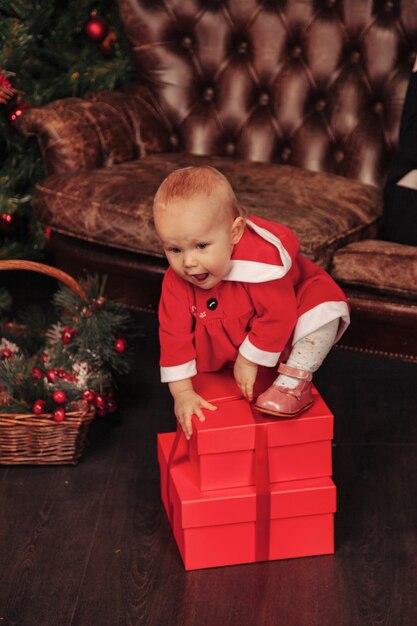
[(255, 272)]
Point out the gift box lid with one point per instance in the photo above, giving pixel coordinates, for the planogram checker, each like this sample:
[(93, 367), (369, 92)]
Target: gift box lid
[(232, 426), (295, 498), (221, 386)]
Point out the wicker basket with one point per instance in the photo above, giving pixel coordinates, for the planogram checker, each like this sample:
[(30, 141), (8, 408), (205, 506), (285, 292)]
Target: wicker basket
[(29, 439)]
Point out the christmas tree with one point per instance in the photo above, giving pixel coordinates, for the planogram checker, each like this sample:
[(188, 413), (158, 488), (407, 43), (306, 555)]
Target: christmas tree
[(48, 50)]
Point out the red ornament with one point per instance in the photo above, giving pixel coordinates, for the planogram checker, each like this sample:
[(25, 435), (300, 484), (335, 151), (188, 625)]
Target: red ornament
[(6, 223), (120, 344), (88, 395), (13, 224), (67, 335), (59, 396), (96, 28), (100, 402), (38, 407), (37, 373), (59, 414), (15, 110), (43, 358)]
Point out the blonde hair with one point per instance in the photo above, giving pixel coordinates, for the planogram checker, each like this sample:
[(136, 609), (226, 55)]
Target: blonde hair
[(190, 181)]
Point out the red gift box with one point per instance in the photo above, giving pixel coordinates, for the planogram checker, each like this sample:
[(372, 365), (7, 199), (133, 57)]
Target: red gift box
[(244, 525), (222, 449)]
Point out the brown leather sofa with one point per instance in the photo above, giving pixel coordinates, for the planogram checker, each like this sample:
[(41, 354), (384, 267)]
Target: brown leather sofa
[(297, 102)]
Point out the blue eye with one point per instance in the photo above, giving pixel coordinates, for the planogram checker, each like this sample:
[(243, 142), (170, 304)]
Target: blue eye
[(201, 246)]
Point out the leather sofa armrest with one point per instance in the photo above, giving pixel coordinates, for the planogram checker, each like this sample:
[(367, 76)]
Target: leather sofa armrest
[(96, 131)]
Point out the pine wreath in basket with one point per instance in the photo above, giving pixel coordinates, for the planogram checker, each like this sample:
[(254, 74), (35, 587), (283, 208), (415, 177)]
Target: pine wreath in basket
[(54, 371)]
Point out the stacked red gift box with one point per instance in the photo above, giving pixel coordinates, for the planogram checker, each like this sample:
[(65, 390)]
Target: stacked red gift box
[(249, 487)]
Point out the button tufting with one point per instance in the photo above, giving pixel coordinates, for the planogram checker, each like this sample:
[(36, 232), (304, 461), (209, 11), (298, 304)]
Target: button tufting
[(296, 52), (331, 3), (339, 156), (242, 47), (173, 138), (378, 107), (187, 42), (263, 99), (320, 105), (208, 94), (355, 56), (388, 6), (230, 148), (285, 154)]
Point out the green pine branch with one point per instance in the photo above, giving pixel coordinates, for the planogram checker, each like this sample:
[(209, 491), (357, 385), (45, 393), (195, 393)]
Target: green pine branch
[(87, 361)]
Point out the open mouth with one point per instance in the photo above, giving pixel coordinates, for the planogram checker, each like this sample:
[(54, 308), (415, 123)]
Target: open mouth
[(200, 277)]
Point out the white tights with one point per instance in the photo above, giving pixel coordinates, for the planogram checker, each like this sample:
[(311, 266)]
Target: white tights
[(309, 353)]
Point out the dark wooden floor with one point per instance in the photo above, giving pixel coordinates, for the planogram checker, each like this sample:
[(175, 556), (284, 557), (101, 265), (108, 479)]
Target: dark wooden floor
[(91, 546)]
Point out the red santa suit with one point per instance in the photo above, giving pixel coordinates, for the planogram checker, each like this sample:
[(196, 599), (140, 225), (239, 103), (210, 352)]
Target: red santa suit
[(271, 296)]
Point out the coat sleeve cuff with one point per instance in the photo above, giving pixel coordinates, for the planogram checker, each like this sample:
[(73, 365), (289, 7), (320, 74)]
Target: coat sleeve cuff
[(256, 355), (178, 372)]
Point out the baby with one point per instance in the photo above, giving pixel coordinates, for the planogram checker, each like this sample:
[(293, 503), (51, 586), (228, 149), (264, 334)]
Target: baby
[(238, 294)]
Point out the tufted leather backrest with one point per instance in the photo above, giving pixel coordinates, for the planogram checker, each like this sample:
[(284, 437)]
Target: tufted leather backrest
[(313, 83)]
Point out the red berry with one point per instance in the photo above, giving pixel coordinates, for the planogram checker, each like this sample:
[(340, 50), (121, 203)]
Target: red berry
[(120, 344), (43, 357), (51, 375), (37, 373), (111, 405), (59, 396), (67, 335), (100, 402), (6, 353), (38, 407), (59, 414), (88, 395)]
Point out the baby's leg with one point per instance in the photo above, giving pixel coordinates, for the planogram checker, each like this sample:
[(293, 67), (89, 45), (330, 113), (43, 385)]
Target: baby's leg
[(309, 353), (290, 394)]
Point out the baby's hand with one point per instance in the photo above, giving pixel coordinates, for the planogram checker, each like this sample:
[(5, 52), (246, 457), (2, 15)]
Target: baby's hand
[(187, 404), (245, 375)]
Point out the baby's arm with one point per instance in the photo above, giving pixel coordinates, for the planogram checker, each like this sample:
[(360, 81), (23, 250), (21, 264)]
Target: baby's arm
[(188, 403), (245, 372)]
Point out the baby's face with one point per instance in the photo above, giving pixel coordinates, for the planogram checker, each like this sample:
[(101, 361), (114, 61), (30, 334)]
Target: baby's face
[(198, 236)]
